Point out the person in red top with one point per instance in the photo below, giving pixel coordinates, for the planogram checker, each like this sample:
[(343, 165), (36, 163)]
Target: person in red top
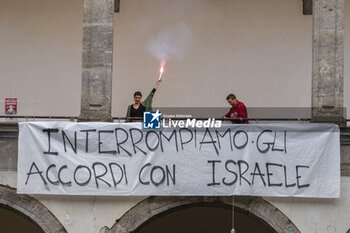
[(237, 111)]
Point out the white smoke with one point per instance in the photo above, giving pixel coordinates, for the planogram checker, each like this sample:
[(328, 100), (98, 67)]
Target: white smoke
[(171, 43)]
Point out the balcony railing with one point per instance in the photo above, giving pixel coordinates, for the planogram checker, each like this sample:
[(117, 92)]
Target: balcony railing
[(9, 128), (73, 118)]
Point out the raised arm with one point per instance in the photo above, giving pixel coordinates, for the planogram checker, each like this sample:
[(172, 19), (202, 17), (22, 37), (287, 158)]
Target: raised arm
[(157, 84), (148, 101), (154, 88)]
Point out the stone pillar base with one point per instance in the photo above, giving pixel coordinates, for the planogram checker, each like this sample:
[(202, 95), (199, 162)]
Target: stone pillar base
[(90, 118), (329, 119)]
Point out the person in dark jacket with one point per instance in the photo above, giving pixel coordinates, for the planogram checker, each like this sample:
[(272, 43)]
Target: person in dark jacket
[(137, 108), (237, 111)]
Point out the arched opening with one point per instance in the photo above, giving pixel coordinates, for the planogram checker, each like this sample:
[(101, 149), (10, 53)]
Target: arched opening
[(160, 214), (16, 209), (13, 222), (203, 219)]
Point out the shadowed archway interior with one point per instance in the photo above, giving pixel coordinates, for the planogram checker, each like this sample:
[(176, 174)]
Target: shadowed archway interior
[(255, 208), (18, 206), (203, 219), (11, 221)]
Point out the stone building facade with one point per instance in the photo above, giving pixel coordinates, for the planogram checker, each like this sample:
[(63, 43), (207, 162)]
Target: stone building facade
[(265, 27)]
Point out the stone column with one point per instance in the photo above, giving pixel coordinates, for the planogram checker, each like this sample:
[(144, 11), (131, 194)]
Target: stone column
[(96, 95), (328, 61)]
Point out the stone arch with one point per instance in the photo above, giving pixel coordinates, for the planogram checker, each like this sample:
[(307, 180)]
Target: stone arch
[(31, 208), (152, 207)]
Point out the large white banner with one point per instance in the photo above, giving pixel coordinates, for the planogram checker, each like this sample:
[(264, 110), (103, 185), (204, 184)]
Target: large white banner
[(300, 160)]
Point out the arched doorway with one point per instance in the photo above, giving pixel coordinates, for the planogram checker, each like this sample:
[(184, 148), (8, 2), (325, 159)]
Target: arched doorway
[(13, 222), (28, 211), (203, 219), (251, 211)]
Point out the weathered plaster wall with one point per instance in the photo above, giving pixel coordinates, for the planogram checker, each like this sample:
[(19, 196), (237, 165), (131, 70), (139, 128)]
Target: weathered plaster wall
[(40, 60), (257, 49), (260, 50), (318, 215), (81, 214)]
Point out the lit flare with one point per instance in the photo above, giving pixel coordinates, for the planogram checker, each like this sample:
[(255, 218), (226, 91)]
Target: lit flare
[(161, 71)]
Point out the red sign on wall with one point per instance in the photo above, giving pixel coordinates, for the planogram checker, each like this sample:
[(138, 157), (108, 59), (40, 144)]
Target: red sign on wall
[(10, 106)]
